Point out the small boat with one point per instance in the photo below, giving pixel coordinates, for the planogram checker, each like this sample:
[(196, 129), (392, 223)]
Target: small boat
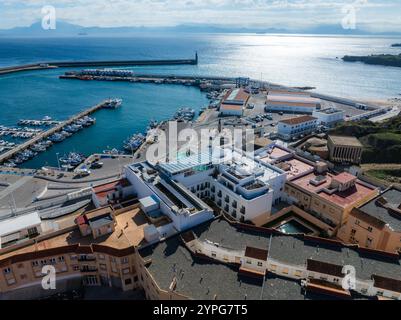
[(73, 159), (113, 103), (111, 152), (134, 142), (47, 118), (184, 114), (57, 137)]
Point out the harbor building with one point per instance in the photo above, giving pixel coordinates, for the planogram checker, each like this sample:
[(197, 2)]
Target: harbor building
[(291, 102), (295, 127), (343, 149), (251, 263), (17, 229), (234, 102), (376, 224), (329, 117), (329, 197), (238, 185)]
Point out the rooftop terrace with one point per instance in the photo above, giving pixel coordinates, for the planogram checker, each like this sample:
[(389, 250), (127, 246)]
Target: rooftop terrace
[(342, 199)]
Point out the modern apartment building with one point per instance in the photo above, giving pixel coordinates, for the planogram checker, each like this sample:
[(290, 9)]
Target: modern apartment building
[(237, 184)]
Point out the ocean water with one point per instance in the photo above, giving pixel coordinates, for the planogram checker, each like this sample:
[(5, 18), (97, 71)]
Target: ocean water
[(289, 60)]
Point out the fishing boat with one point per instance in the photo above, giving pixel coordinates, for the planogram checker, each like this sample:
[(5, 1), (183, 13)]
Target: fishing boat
[(134, 142), (113, 103), (184, 114), (73, 159), (57, 137)]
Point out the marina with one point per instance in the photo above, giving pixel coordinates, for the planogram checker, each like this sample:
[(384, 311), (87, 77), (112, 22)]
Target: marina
[(40, 140)]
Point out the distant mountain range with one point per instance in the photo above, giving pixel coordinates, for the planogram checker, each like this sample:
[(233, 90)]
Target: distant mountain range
[(65, 29)]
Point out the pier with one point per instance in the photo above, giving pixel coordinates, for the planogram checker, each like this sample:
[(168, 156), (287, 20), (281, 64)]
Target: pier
[(105, 63), (45, 134)]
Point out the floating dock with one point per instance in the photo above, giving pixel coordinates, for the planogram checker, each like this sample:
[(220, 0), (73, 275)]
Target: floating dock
[(106, 63), (45, 134)]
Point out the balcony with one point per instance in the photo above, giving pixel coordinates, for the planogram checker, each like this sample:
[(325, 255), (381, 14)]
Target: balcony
[(86, 258), (88, 269)]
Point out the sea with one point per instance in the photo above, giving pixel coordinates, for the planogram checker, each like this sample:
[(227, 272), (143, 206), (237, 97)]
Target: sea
[(294, 60)]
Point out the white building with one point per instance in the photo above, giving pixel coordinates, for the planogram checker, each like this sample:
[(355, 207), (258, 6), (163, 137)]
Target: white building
[(328, 117), (234, 102), (291, 102), (295, 127), (235, 183), (173, 200), (19, 228)]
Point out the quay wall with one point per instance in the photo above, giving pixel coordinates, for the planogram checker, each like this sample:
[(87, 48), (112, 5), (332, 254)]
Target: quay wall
[(106, 63)]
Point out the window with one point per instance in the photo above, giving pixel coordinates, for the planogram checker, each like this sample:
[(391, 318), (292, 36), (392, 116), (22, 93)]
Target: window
[(7, 270), (248, 261), (35, 263), (136, 279), (61, 259), (75, 268), (102, 266), (42, 262), (73, 257), (370, 229), (260, 264), (126, 271), (124, 260), (53, 260), (357, 222), (128, 281)]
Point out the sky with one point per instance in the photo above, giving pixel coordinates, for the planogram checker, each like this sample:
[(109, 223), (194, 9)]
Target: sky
[(371, 15)]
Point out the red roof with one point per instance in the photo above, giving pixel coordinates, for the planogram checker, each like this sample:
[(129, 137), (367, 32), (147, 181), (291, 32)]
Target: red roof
[(298, 120)]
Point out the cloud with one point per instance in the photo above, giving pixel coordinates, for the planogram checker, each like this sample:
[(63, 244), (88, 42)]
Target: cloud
[(268, 13)]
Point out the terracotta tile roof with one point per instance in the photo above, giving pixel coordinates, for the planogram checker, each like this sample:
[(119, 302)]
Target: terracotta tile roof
[(298, 120)]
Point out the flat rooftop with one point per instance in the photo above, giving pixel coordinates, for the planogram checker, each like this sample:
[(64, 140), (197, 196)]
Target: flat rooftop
[(342, 199), (393, 198), (292, 99), (204, 279), (295, 167), (131, 223), (274, 154), (345, 141)]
